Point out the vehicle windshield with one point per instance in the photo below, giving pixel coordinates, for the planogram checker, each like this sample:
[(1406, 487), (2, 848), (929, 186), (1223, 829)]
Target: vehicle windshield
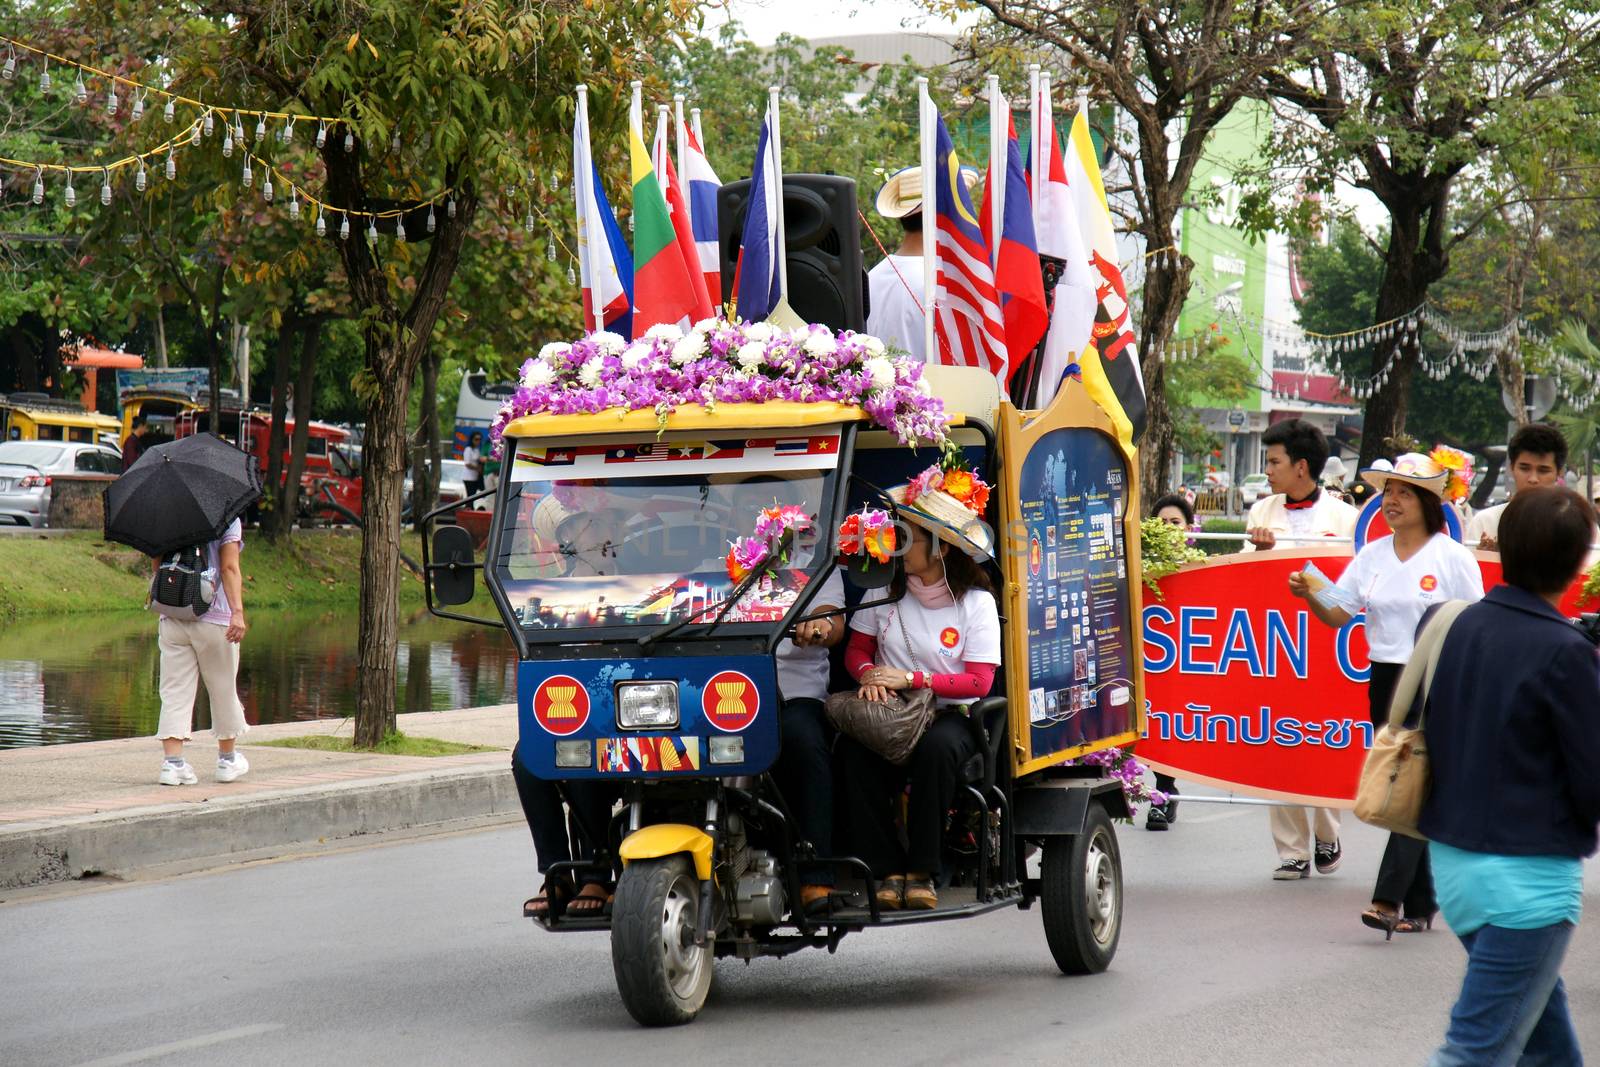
[(31, 455), (638, 534)]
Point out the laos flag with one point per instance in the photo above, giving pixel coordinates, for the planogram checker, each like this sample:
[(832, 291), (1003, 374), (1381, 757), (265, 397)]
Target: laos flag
[(1017, 277)]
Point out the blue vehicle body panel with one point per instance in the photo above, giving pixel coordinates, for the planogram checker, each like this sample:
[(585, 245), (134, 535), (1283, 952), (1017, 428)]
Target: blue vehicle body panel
[(574, 699)]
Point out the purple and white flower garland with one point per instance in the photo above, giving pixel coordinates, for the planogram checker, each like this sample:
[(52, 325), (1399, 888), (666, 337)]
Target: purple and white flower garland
[(721, 362)]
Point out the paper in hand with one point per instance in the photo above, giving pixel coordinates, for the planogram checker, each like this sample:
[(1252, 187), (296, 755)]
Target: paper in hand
[(1326, 593)]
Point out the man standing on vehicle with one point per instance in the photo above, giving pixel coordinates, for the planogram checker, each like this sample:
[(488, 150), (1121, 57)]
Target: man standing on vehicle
[(894, 314), (1299, 508), (1537, 456)]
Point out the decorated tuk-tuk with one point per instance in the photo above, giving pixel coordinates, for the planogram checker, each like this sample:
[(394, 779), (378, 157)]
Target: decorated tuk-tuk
[(648, 656)]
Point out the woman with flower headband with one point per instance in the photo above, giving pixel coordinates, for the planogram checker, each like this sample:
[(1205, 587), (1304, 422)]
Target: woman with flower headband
[(941, 632), (1394, 580)]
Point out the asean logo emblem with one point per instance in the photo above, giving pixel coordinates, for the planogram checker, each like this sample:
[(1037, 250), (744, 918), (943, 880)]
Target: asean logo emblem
[(1429, 583), (561, 704), (730, 701), (1035, 556), (949, 637)]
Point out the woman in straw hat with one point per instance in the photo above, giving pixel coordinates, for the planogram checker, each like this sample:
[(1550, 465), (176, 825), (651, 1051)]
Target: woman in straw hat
[(1395, 579), (941, 632)]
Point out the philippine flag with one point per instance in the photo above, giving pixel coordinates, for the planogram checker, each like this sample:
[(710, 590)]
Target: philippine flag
[(703, 185), (603, 259), (758, 283)]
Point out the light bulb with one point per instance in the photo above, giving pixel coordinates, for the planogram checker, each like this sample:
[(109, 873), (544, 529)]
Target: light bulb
[(172, 166), (80, 92), (210, 122), (72, 194), (572, 275), (112, 103), (227, 142), (194, 136), (555, 181), (344, 227), (294, 204), (44, 77), (349, 141), (550, 248), (10, 69), (138, 107), (527, 223), (322, 224), (394, 142), (261, 128), (170, 112), (450, 207), (399, 230), (266, 187), (322, 134), (105, 189), (372, 232), (38, 186), (139, 179), (431, 224), (247, 177), (286, 135)]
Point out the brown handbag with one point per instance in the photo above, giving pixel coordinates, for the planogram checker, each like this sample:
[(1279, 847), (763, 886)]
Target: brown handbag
[(892, 727), (1395, 777)]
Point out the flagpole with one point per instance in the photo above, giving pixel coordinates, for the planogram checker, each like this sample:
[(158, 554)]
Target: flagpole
[(1036, 150), (699, 134), (636, 109), (666, 147), (997, 168), (683, 150), (782, 251), (930, 220), (587, 246)]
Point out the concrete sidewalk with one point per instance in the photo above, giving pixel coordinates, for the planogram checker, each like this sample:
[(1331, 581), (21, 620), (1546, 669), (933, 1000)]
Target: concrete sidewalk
[(67, 811)]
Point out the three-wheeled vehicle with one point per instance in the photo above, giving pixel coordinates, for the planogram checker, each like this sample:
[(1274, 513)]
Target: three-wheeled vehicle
[(657, 671)]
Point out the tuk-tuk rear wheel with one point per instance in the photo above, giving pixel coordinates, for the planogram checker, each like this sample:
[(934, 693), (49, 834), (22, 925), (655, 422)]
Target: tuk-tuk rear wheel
[(662, 974), (1082, 896)]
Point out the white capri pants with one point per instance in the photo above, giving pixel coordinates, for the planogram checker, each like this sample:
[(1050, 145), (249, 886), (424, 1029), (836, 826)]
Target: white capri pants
[(191, 652)]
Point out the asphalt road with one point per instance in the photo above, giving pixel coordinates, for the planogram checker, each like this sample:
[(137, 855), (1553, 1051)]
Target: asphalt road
[(416, 953)]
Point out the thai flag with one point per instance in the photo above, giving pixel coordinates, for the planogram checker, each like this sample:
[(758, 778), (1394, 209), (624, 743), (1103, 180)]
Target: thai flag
[(758, 284), (1017, 275), (605, 265), (967, 319), (703, 186)]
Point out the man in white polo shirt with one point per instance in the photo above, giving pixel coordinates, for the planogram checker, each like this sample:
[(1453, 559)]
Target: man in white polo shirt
[(1299, 508), (1537, 456)]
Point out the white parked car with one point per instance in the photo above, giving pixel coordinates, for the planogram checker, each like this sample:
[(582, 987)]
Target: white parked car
[(28, 467), (1253, 488)]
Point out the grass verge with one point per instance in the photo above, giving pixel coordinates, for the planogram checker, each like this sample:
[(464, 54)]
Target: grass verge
[(80, 572), (393, 745)]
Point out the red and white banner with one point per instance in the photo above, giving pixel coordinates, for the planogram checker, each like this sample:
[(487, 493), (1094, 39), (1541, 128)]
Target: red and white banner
[(1247, 691)]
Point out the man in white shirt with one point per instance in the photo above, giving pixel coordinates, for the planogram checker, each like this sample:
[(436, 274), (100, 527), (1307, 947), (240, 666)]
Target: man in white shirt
[(1296, 454), (894, 287), (1537, 455)]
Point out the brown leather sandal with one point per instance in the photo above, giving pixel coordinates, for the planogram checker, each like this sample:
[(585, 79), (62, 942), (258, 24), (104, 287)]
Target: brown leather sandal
[(552, 899), (921, 894), (892, 892)]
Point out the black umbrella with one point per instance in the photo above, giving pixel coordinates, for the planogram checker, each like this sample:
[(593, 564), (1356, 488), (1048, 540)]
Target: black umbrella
[(182, 493)]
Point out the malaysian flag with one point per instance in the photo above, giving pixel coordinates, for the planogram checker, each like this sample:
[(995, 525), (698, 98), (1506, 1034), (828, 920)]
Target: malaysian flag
[(967, 320)]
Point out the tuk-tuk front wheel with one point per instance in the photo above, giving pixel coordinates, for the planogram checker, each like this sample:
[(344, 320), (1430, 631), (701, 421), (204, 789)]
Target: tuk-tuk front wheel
[(1082, 896), (662, 974)]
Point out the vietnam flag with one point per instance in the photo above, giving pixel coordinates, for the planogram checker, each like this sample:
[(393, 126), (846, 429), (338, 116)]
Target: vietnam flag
[(663, 289)]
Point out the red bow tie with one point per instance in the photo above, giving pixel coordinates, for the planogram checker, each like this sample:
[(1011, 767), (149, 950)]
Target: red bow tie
[(1301, 505)]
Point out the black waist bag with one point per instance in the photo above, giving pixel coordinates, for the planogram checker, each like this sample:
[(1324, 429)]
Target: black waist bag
[(181, 588)]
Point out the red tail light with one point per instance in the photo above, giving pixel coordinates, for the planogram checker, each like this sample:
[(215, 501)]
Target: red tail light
[(33, 481)]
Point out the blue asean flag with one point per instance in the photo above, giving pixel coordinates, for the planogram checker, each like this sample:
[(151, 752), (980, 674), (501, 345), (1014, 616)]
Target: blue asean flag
[(757, 284)]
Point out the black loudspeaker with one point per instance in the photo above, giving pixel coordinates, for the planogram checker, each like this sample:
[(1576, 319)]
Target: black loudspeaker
[(823, 239)]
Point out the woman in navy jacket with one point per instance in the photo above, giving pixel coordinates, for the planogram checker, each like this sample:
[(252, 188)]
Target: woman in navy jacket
[(1513, 733)]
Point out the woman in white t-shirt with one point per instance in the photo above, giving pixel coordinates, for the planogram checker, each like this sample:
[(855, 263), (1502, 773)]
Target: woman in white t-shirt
[(941, 632), (1394, 580)]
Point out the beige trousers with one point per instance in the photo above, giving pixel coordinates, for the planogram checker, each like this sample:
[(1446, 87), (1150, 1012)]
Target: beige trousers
[(192, 652), (1292, 830)]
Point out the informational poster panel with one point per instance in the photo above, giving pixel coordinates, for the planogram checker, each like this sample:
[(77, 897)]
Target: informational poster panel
[(1080, 671)]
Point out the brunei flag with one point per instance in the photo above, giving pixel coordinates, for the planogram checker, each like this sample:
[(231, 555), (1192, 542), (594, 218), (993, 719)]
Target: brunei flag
[(1110, 362), (663, 288)]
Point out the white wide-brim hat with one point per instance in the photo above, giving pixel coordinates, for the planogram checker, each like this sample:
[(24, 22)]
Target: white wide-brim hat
[(901, 195), (1413, 468), (947, 519)]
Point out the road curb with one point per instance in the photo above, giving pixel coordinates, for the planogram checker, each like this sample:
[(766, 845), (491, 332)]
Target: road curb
[(40, 853)]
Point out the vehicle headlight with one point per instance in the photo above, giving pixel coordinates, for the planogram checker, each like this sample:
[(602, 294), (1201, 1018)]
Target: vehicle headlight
[(647, 705), (727, 749), (572, 754)]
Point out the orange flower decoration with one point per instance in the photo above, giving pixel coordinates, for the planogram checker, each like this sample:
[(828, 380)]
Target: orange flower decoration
[(967, 488)]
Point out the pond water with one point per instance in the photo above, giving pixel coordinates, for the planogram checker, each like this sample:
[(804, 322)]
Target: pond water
[(90, 679)]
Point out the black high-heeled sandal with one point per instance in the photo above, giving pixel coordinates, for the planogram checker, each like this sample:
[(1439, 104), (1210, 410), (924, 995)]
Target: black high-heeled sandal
[(1386, 921), (1413, 924)]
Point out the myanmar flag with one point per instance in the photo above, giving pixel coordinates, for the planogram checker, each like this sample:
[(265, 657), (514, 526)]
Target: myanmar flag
[(663, 288)]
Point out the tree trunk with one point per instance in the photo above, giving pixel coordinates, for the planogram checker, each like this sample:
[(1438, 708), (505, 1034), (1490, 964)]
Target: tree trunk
[(1165, 290), (383, 462), (1408, 271), (310, 344), (161, 337), (282, 354)]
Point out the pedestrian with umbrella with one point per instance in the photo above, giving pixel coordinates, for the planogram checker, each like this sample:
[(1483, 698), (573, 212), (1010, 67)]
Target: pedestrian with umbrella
[(180, 504)]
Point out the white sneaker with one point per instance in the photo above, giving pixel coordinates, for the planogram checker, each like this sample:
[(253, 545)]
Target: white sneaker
[(178, 773), (234, 769)]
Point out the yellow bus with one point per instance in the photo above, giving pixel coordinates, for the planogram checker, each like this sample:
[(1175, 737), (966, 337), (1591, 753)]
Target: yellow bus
[(37, 417)]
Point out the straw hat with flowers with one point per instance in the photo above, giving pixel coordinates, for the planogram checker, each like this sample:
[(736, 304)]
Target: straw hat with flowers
[(1445, 472), (949, 501)]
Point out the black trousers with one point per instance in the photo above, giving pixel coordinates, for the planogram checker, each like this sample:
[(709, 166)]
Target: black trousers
[(870, 786), (804, 774), (1405, 879), (547, 819)]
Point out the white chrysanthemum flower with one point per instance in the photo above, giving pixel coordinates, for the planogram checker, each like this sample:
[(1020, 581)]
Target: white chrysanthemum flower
[(664, 331), (688, 349), (538, 373), (819, 343), (881, 371), (752, 354), (873, 346), (705, 326), (924, 387), (589, 375), (611, 344), (636, 354), (554, 353), (760, 331)]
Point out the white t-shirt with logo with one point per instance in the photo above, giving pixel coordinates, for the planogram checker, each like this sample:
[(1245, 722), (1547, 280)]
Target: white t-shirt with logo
[(942, 639), (1394, 594), (803, 672)]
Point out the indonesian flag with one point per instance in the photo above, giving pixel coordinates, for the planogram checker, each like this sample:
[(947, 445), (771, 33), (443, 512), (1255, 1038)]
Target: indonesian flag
[(677, 207), (664, 291)]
